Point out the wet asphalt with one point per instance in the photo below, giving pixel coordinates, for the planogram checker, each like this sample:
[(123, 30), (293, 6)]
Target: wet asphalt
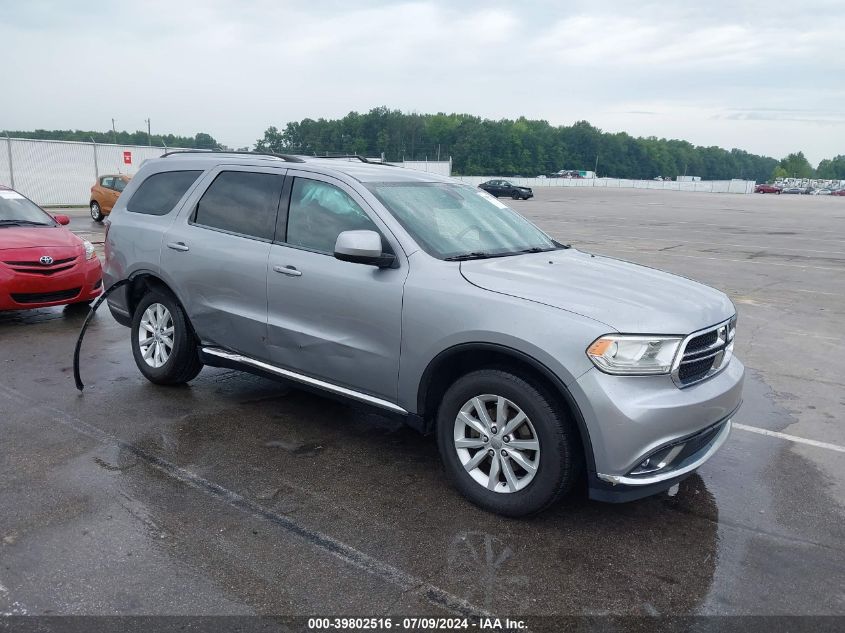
[(236, 495)]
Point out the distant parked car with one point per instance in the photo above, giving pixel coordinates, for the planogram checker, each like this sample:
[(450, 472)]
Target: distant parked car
[(500, 188), (795, 190), (764, 188), (822, 192), (840, 192), (41, 262), (104, 194)]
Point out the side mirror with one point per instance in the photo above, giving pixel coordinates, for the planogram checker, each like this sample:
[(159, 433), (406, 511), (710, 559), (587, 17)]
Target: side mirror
[(362, 247), (62, 219)]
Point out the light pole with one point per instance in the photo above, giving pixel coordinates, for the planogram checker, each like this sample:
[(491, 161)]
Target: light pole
[(114, 131), (149, 137)]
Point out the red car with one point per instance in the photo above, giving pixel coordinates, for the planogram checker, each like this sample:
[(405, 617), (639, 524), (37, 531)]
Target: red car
[(841, 192), (41, 262), (764, 188)]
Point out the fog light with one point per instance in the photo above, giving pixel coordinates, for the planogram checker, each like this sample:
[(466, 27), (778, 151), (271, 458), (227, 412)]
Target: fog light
[(658, 461)]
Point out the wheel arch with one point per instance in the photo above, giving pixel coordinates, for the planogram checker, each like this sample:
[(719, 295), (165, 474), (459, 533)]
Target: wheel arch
[(144, 281), (460, 359)]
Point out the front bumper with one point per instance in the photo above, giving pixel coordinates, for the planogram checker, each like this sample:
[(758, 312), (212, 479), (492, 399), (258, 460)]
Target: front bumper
[(24, 291), (634, 421)]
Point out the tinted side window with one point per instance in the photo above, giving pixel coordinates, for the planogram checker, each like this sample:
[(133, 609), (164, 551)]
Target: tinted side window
[(241, 202), (319, 212), (159, 193)]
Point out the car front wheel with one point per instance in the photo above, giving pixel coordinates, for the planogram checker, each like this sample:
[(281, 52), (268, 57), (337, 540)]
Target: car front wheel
[(96, 211), (163, 342), (505, 445)]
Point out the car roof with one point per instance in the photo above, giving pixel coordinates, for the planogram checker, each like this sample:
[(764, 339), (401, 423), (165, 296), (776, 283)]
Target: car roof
[(355, 167), (114, 176)]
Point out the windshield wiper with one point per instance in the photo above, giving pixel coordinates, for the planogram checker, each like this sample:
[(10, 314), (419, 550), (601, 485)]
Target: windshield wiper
[(21, 223), (465, 256)]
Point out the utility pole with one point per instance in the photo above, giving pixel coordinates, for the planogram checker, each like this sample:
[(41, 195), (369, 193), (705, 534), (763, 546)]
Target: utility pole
[(149, 136), (596, 168), (96, 163), (438, 152), (114, 131)]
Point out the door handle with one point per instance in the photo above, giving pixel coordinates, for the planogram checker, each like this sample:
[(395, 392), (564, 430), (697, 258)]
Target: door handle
[(178, 246), (290, 271)]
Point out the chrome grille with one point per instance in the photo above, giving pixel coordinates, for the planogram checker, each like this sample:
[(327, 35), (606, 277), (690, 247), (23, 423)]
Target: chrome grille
[(704, 354)]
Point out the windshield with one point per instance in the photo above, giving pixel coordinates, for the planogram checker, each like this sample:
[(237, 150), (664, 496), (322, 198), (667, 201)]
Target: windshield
[(451, 221), (17, 210)]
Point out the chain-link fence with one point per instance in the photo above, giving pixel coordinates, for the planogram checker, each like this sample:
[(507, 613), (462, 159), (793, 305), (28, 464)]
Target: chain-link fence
[(63, 172)]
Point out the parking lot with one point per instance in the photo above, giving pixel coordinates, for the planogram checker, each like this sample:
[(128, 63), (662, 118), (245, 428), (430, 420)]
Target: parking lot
[(239, 496)]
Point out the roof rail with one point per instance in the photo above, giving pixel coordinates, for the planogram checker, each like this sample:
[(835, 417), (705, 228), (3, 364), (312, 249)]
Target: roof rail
[(358, 156), (285, 157)]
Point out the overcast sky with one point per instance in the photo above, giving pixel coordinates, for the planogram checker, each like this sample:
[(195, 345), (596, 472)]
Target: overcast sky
[(768, 77)]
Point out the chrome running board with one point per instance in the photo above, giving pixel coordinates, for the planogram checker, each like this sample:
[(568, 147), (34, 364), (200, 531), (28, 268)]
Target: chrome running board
[(305, 380)]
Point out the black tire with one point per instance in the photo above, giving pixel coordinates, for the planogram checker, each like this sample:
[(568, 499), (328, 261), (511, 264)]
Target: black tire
[(184, 363), (516, 195), (96, 212), (561, 457)]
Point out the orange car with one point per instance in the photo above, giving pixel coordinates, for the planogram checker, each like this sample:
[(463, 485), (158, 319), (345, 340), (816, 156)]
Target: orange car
[(104, 194)]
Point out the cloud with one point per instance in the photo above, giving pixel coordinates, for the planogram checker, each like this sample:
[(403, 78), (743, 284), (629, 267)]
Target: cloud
[(683, 69)]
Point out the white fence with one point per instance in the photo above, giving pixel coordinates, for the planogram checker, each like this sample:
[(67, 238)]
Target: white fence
[(708, 186), (62, 172), (440, 167)]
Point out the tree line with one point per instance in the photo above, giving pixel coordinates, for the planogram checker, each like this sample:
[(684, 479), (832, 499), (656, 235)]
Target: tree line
[(524, 147), (201, 140), (480, 147)]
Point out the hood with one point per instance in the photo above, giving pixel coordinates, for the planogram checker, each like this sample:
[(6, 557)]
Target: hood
[(15, 237), (627, 297)]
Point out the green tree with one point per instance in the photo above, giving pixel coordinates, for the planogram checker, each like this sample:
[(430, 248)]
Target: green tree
[(779, 172), (832, 169), (201, 140), (797, 166), (510, 147)]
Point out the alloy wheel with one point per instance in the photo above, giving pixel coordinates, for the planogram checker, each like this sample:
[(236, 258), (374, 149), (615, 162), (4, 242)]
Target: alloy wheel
[(496, 443), (155, 335)]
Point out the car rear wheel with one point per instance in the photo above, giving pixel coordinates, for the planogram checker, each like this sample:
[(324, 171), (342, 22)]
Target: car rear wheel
[(96, 212), (163, 342), (505, 445)]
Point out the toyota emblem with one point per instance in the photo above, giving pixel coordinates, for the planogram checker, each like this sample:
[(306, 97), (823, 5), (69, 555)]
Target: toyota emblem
[(46, 260)]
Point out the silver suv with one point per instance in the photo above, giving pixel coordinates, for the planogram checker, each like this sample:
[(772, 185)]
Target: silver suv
[(536, 365)]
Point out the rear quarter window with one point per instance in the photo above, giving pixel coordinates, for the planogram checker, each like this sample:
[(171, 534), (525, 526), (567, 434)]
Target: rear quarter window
[(159, 193)]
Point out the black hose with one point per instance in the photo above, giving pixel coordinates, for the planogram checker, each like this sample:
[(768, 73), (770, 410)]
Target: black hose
[(76, 377)]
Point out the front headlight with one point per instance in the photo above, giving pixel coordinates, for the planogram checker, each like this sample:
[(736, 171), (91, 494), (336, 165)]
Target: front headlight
[(634, 355), (89, 249)]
